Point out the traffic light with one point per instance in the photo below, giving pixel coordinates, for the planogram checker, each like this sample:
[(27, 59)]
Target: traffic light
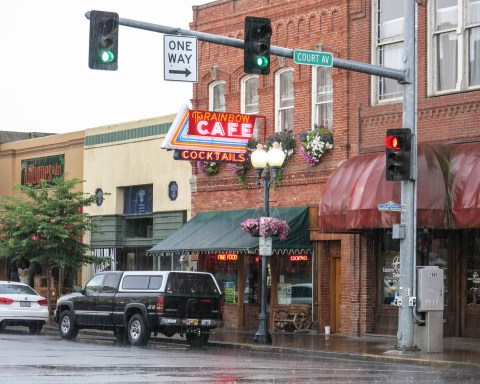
[(398, 145), (256, 49), (103, 49)]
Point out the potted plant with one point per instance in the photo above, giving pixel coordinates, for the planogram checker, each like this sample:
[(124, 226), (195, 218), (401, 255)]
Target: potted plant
[(268, 227), (208, 168), (315, 143)]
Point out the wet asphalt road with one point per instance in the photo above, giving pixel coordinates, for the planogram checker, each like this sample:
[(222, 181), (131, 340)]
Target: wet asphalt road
[(48, 359)]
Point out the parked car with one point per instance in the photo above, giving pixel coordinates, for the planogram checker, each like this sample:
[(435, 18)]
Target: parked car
[(20, 304)]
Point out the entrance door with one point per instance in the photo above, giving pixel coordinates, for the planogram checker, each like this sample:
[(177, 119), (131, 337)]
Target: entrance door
[(336, 293)]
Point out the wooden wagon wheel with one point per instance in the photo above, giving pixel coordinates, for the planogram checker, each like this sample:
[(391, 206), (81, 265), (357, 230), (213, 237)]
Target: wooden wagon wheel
[(302, 320), (281, 320)]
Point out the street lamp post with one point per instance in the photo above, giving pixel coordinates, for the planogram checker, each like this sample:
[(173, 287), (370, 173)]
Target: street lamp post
[(261, 160)]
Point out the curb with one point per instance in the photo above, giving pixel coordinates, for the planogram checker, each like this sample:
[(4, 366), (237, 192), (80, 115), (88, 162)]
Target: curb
[(388, 356)]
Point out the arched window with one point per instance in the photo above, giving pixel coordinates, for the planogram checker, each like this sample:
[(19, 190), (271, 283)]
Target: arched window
[(216, 94), (249, 97)]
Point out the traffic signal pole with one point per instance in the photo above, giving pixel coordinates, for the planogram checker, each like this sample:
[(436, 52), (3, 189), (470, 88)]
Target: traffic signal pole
[(407, 77), (408, 217)]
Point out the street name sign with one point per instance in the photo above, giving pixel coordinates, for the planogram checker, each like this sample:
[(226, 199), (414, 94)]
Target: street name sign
[(321, 59), (180, 61), (391, 206)]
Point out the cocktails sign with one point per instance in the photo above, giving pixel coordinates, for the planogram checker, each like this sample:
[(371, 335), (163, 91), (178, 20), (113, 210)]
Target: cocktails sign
[(195, 130)]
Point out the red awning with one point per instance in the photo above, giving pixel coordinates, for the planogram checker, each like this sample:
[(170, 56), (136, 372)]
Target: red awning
[(465, 164), (358, 186)]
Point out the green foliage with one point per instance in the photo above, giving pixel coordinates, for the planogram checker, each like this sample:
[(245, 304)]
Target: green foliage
[(46, 225)]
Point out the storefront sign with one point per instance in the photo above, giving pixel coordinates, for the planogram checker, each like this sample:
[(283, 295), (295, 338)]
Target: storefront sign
[(227, 257), (221, 124), (299, 258), (43, 168), (209, 156), (210, 131), (230, 292)]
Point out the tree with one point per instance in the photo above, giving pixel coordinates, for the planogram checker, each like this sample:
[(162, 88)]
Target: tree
[(46, 225)]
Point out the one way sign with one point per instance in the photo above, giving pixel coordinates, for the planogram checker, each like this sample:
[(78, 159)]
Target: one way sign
[(180, 60)]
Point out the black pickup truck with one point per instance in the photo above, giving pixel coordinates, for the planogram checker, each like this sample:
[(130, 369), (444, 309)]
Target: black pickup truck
[(135, 304)]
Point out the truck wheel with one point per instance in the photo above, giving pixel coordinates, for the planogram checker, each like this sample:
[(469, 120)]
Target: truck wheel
[(66, 326), (197, 341), (35, 327), (137, 331)]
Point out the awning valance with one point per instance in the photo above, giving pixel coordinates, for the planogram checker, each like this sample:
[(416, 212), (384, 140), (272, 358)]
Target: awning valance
[(219, 231), (354, 191)]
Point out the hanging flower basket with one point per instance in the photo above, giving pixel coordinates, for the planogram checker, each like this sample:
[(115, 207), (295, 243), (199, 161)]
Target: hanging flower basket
[(314, 144), (208, 168), (271, 227)]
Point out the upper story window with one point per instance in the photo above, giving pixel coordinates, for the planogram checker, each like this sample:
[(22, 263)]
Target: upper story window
[(250, 95), (322, 97), (137, 200), (455, 45), (217, 96), (389, 47), (284, 98)]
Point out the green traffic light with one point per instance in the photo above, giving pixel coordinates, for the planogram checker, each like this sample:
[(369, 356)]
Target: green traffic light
[(106, 56), (261, 61)]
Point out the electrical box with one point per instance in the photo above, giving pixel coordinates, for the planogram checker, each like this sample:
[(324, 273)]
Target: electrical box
[(429, 289)]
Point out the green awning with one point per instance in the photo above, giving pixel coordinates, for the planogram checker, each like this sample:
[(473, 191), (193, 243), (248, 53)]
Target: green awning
[(219, 231)]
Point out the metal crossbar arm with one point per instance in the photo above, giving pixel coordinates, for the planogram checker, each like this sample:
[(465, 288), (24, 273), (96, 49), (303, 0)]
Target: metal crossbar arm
[(350, 65)]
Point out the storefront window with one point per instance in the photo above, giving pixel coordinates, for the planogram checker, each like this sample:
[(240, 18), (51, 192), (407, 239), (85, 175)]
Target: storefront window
[(389, 269), (251, 295), (473, 274), (295, 279), (224, 266), (432, 250)]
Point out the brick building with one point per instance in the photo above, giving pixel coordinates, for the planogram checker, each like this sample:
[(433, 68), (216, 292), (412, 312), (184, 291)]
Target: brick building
[(353, 260)]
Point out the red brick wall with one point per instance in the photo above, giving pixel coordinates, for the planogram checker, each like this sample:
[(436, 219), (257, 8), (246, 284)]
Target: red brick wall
[(345, 29)]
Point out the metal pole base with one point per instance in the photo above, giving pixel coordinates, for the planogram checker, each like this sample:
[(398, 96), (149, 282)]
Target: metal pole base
[(263, 338)]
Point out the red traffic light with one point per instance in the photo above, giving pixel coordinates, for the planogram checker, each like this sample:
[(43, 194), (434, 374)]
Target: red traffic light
[(393, 142)]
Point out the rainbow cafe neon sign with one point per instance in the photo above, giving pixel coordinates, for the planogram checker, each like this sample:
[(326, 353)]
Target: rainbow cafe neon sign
[(216, 136)]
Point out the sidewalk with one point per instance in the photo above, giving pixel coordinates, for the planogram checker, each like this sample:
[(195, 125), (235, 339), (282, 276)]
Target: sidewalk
[(457, 351)]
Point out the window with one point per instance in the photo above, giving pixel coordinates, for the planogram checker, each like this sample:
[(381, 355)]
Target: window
[(142, 282), (217, 96), (139, 227), (284, 97), (322, 97), (295, 280), (389, 47), (137, 200), (455, 53), (250, 95)]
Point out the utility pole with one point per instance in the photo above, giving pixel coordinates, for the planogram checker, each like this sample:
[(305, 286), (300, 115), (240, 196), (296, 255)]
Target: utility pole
[(408, 77)]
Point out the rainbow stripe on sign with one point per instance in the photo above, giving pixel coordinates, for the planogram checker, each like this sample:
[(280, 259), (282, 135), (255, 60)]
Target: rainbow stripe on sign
[(179, 135)]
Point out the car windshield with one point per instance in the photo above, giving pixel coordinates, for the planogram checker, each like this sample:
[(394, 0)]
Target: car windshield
[(9, 289)]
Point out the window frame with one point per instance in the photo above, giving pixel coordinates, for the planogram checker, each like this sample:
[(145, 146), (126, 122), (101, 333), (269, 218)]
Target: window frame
[(315, 102), (279, 126), (377, 45), (211, 95), (243, 95), (462, 31)]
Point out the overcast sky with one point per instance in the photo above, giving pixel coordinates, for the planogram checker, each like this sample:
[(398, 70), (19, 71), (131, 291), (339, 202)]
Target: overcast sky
[(46, 84)]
